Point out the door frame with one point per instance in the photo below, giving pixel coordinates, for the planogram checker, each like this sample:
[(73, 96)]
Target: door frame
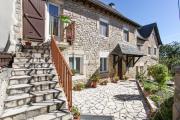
[(120, 71), (47, 35)]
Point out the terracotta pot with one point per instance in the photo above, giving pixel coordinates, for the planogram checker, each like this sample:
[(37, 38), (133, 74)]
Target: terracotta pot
[(93, 84), (76, 117), (28, 43)]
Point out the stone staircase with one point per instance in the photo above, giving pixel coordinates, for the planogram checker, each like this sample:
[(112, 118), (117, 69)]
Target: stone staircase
[(33, 92)]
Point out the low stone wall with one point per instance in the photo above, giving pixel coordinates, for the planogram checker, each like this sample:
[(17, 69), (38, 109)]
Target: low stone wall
[(4, 78), (176, 105)]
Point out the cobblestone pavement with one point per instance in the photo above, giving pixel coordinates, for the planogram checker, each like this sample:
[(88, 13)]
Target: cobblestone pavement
[(122, 100)]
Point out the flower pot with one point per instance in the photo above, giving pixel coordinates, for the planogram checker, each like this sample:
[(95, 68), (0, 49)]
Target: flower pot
[(76, 117), (114, 81), (28, 43), (93, 84)]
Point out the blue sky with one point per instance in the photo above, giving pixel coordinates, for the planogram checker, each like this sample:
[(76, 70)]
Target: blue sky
[(164, 12)]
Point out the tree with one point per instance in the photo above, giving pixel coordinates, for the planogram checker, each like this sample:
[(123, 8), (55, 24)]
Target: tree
[(170, 54)]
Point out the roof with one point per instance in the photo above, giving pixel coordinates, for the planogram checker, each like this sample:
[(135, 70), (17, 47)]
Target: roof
[(114, 11), (124, 48), (145, 31)]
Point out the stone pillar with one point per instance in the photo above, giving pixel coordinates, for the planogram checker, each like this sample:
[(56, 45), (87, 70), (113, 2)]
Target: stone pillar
[(176, 105)]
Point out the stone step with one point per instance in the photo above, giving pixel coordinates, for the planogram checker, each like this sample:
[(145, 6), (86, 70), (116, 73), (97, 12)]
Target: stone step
[(32, 54), (27, 98), (31, 60), (27, 88), (36, 47), (38, 50), (29, 111), (55, 115), (32, 71), (14, 80), (33, 65)]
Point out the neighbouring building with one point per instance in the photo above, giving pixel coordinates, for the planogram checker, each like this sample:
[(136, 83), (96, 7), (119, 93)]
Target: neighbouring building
[(99, 39)]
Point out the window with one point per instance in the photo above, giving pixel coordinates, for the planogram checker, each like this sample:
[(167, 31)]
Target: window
[(139, 47), (126, 35), (75, 63), (155, 51), (141, 69), (53, 19), (104, 28), (149, 50), (103, 65)]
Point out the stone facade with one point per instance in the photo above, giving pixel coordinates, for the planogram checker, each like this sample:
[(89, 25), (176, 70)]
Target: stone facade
[(90, 44), (176, 105)]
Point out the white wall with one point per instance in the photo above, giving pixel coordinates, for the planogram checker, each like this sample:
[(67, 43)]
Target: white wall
[(6, 21)]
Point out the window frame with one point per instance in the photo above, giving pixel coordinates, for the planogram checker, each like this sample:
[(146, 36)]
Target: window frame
[(105, 23), (155, 51), (149, 50), (125, 31), (74, 64), (103, 70)]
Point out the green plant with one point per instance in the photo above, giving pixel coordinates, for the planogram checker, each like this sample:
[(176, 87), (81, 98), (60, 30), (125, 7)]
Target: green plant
[(79, 86), (73, 71), (141, 76), (116, 77), (157, 99), (150, 87), (160, 74), (75, 111), (125, 77), (95, 77), (65, 19), (104, 82)]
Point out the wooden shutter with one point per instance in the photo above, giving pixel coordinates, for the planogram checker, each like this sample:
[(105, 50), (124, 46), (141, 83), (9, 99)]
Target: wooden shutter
[(70, 32), (34, 19)]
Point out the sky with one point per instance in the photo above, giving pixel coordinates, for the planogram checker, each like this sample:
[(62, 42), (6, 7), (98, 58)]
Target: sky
[(163, 12)]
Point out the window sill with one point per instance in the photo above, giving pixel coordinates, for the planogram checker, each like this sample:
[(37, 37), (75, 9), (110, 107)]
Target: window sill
[(103, 72)]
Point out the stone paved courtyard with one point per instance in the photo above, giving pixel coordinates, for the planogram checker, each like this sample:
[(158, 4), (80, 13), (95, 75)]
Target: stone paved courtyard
[(122, 100)]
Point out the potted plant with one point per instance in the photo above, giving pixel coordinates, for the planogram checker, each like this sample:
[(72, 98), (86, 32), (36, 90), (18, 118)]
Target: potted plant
[(116, 78), (28, 43), (76, 113), (94, 79), (80, 86)]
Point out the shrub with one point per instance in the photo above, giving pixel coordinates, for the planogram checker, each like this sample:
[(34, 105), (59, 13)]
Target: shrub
[(141, 76), (157, 99), (75, 111), (95, 77), (150, 87), (79, 86), (160, 74)]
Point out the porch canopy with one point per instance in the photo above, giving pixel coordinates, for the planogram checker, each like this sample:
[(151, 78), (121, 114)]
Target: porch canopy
[(132, 53), (127, 49)]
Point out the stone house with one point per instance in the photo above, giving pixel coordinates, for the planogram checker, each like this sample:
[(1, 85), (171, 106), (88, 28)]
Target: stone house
[(104, 41)]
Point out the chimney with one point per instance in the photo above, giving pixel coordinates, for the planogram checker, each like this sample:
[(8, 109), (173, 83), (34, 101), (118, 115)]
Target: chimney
[(112, 5)]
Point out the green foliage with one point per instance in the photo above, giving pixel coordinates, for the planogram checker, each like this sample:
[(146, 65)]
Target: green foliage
[(165, 111), (141, 76), (170, 54), (79, 86), (73, 71), (116, 77), (65, 19), (157, 99), (160, 74), (75, 111), (150, 87), (95, 77)]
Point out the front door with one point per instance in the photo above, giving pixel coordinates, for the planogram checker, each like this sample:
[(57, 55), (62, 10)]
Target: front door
[(120, 71), (34, 20)]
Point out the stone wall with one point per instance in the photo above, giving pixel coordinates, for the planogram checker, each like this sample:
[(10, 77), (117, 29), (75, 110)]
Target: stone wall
[(88, 41), (4, 78), (176, 105)]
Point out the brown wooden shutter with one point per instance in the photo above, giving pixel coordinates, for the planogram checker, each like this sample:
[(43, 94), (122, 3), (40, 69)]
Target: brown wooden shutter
[(70, 32), (34, 19)]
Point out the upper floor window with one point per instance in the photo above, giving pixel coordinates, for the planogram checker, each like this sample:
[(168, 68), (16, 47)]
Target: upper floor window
[(149, 50), (155, 51), (126, 35), (104, 28), (103, 64), (53, 19), (139, 47)]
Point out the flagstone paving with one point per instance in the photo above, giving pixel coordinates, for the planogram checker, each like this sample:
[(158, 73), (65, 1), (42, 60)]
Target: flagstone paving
[(122, 100)]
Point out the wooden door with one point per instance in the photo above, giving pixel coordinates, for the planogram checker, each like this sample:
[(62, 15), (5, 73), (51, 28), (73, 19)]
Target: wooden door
[(34, 20), (120, 72)]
